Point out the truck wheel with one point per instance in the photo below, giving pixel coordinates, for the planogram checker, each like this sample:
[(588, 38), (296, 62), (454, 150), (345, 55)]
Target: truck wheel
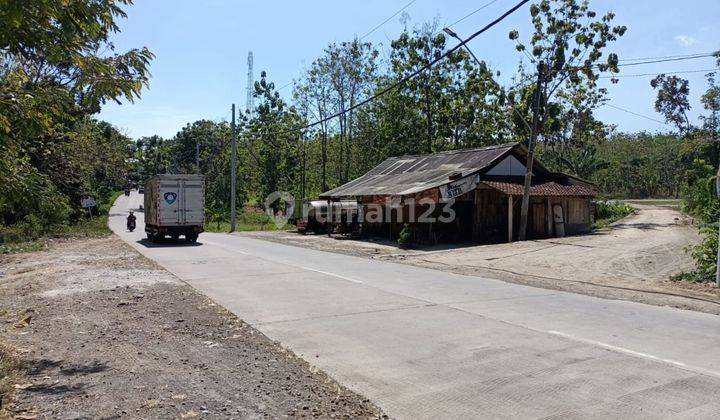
[(191, 238)]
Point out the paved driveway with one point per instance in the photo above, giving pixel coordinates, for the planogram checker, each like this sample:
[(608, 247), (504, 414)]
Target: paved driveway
[(430, 344)]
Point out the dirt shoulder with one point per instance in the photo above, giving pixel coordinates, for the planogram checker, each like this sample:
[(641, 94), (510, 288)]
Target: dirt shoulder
[(101, 332), (633, 259)]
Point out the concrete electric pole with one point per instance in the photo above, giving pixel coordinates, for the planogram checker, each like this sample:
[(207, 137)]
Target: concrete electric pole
[(233, 173), (249, 100), (717, 259), (197, 155)]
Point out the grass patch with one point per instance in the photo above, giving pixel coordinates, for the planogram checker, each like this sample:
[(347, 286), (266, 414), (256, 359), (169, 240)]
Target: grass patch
[(84, 228), (607, 212), (224, 227), (10, 367), (32, 235), (662, 202), (250, 219)]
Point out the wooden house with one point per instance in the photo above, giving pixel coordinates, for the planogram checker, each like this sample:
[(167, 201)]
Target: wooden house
[(482, 188)]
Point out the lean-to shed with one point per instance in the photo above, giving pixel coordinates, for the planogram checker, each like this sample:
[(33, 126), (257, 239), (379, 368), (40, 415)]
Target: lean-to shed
[(482, 187)]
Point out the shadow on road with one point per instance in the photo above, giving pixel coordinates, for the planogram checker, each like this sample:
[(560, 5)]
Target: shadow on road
[(443, 246), (167, 243), (643, 226)]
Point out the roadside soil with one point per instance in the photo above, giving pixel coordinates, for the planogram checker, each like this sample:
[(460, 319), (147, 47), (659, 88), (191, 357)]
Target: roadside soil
[(102, 332), (632, 259)]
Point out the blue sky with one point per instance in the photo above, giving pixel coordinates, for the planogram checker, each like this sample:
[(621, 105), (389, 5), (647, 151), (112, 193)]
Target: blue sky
[(201, 49)]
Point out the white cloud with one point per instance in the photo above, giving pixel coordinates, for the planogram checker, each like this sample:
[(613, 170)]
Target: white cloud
[(685, 40)]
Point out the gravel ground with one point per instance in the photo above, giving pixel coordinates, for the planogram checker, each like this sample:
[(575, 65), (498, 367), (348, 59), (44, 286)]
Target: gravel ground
[(102, 332), (633, 259)]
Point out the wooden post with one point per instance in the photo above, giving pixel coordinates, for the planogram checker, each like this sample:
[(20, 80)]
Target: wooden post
[(549, 217), (510, 218), (477, 215)]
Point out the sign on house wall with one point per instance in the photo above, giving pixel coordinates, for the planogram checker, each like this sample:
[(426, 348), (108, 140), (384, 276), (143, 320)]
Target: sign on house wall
[(459, 187)]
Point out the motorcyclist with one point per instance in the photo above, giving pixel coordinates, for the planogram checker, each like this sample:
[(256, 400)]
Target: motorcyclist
[(131, 221)]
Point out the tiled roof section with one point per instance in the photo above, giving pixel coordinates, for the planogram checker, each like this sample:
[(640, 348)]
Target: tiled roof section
[(543, 189), (412, 174)]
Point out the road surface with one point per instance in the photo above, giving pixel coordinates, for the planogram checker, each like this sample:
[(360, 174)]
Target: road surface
[(423, 343)]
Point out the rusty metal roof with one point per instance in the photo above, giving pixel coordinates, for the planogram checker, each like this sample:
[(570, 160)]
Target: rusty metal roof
[(542, 189), (405, 175)]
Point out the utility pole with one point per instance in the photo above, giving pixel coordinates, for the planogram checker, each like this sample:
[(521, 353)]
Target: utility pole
[(531, 155), (717, 258), (249, 102), (197, 156), (233, 173), (302, 176)]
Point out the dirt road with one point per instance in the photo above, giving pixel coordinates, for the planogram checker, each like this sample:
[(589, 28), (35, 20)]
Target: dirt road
[(103, 332), (631, 260)]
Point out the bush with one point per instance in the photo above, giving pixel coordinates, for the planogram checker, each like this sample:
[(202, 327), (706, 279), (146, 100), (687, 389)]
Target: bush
[(405, 237), (701, 202), (28, 229), (25, 192), (248, 219), (705, 256), (29, 233), (700, 199), (607, 212)]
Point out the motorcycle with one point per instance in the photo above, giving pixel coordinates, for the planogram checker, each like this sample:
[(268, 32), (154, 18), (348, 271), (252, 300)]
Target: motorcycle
[(131, 225)]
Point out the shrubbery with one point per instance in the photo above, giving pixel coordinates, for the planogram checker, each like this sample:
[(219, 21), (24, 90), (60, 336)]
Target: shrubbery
[(248, 219), (405, 236), (25, 235), (607, 212), (702, 203), (53, 79)]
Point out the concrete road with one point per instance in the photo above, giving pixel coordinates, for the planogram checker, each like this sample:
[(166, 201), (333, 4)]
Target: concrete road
[(423, 343)]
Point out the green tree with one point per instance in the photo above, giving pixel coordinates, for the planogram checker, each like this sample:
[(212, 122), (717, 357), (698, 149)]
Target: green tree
[(55, 73), (273, 142), (672, 100), (154, 156), (569, 41), (334, 84)]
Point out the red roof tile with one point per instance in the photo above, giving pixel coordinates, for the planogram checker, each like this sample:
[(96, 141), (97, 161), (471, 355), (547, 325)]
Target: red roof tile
[(543, 189)]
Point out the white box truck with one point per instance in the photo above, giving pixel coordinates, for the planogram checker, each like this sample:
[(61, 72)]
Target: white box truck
[(174, 206)]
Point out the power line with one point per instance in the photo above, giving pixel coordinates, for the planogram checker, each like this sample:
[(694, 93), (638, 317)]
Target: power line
[(413, 74), (284, 86), (371, 31), (664, 60), (471, 13), (666, 56), (388, 19), (636, 114), (657, 73)]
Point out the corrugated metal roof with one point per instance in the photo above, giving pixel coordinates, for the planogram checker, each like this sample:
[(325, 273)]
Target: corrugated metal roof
[(542, 189), (405, 175)]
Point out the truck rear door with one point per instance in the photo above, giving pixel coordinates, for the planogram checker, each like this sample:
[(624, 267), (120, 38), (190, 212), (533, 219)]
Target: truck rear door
[(193, 203), (169, 200)]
